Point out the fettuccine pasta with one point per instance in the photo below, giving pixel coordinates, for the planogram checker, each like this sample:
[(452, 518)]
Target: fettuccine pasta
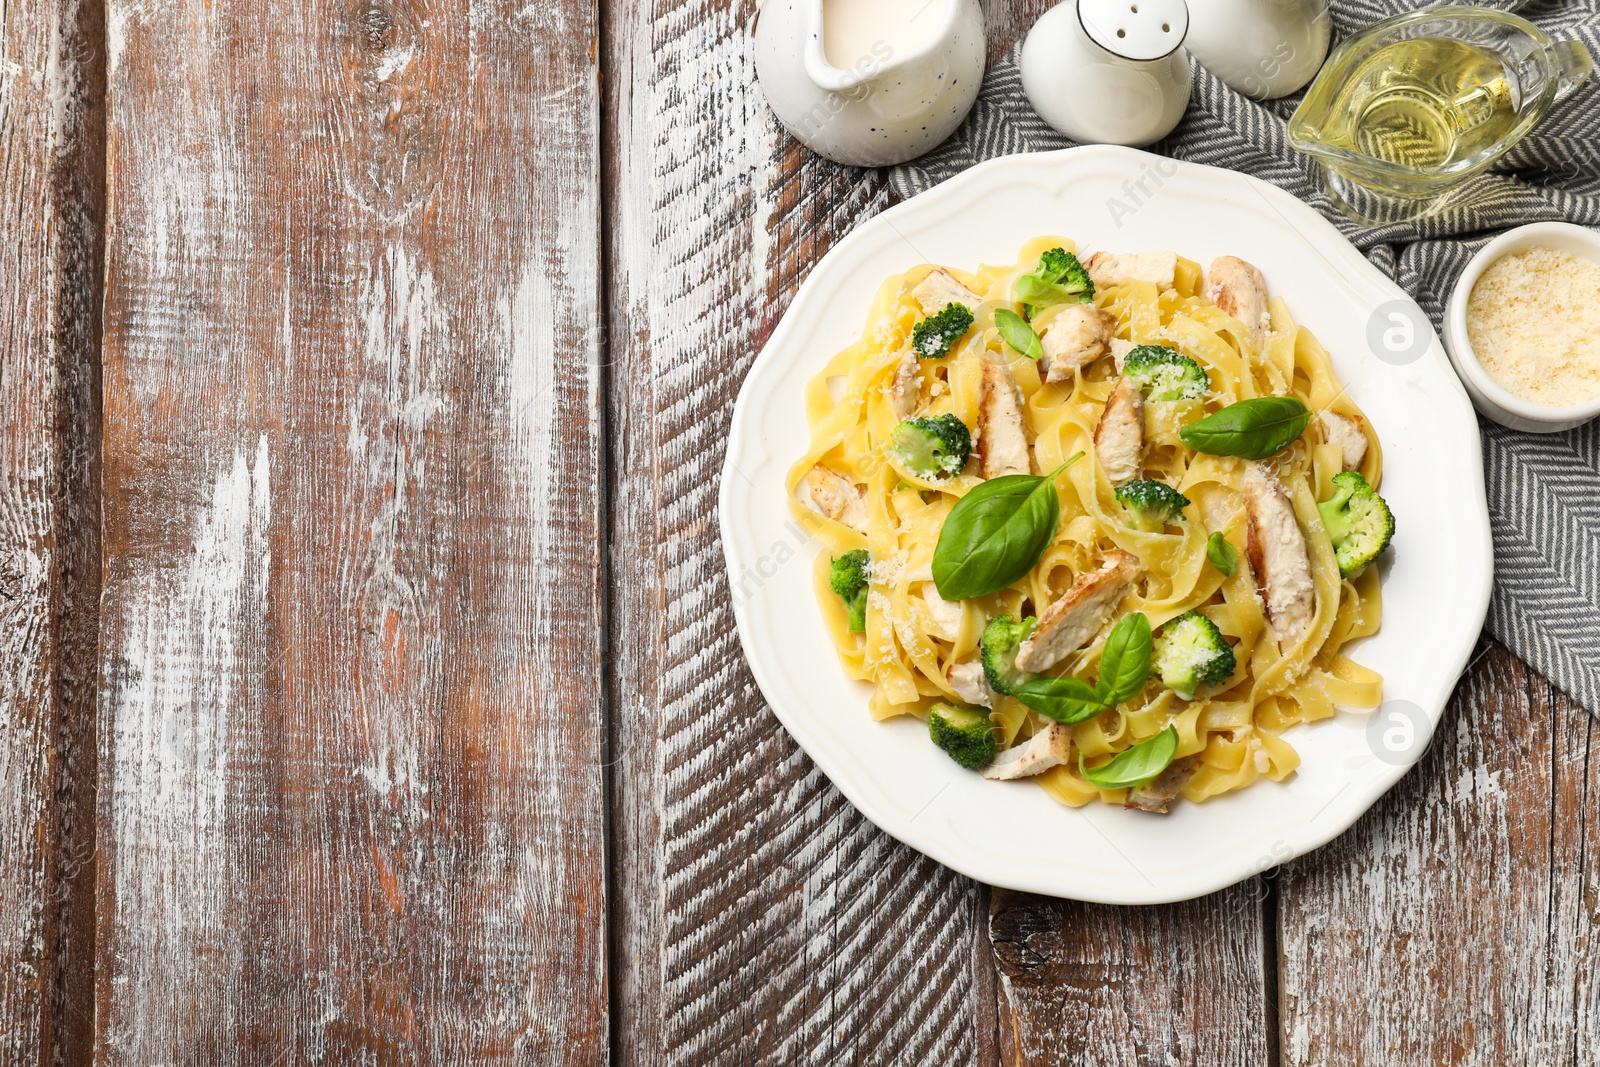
[(917, 649)]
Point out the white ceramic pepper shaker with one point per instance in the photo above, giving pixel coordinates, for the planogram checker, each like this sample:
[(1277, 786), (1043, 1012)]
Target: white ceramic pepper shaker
[(1263, 48), (1109, 71)]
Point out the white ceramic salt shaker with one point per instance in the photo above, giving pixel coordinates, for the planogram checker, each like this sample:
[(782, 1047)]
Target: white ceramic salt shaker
[(1263, 48), (870, 82), (1109, 71)]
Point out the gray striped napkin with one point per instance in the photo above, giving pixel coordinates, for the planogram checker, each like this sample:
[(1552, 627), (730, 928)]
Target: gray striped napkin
[(1544, 490)]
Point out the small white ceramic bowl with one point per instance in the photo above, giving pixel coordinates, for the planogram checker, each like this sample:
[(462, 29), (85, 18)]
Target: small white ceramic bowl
[(1489, 396)]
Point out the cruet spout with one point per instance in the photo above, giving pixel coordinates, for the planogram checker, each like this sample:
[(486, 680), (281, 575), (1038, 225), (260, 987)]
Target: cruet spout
[(1574, 64)]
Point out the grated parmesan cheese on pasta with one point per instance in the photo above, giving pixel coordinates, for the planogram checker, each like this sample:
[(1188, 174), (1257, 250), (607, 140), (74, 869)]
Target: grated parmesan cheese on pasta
[(1533, 321)]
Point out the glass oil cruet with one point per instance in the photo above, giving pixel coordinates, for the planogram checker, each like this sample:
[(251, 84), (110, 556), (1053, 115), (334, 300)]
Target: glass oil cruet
[(1409, 108)]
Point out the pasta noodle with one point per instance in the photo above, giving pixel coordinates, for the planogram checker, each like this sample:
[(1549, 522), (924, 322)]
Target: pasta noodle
[(1235, 729)]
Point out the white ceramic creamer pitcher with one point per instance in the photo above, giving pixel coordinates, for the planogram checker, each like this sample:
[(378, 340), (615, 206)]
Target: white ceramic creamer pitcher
[(870, 82)]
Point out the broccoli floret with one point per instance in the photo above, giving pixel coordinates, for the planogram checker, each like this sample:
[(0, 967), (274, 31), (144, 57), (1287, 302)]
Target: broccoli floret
[(1060, 279), (1059, 265), (1163, 373), (1149, 505), (932, 448), (1191, 653), (933, 336), (966, 734), (1358, 521), (849, 580), (1001, 639)]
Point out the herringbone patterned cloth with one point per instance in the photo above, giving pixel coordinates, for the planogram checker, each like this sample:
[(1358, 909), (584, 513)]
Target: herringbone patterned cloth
[(1544, 490)]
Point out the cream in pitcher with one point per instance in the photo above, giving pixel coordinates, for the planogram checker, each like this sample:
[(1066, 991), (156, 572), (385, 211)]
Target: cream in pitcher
[(870, 82), (873, 31)]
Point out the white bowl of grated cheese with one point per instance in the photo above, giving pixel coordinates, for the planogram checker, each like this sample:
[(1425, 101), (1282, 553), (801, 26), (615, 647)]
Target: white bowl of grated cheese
[(1523, 327)]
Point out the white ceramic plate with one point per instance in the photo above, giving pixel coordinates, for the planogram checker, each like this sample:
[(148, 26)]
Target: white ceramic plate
[(1436, 578)]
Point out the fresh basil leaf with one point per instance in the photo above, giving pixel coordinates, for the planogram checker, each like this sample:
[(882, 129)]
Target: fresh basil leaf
[(1017, 333), (1222, 555), (1252, 429), (1136, 766), (1125, 661), (995, 534), (1066, 700)]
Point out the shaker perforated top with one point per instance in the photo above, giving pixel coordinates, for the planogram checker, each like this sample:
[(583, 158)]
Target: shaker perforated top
[(1135, 29)]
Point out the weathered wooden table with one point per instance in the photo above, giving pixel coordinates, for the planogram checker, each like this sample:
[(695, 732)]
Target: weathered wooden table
[(369, 691)]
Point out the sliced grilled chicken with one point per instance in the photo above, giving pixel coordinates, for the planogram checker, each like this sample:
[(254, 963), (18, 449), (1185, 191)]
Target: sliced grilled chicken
[(905, 387), (939, 290), (1072, 621), (1157, 796), (1076, 337), (1344, 432), (1276, 548), (1106, 269), (1045, 749), (944, 616), (1120, 350), (970, 683), (836, 497), (1119, 439), (1002, 443), (1239, 289)]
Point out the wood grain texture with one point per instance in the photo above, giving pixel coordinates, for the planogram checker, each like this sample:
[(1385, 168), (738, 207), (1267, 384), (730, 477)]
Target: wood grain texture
[(351, 805), (760, 918), (1088, 984), (1459, 921), (51, 201)]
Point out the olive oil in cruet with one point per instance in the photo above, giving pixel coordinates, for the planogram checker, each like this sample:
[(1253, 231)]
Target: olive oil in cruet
[(1406, 110), (1422, 103)]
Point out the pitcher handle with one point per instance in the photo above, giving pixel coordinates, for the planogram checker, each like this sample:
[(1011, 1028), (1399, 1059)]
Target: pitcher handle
[(1574, 64)]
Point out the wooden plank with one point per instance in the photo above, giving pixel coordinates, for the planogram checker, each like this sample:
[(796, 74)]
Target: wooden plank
[(351, 799), (743, 929), (759, 917), (1007, 21), (1089, 984), (51, 202), (1459, 921)]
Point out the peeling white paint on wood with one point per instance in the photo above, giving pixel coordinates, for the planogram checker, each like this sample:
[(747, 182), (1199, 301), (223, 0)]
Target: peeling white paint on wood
[(63, 87), (1178, 984), (413, 776), (189, 652), (49, 296), (760, 914), (1455, 923), (528, 318)]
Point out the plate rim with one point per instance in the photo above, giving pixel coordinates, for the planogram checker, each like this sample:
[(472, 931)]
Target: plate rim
[(1348, 806)]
